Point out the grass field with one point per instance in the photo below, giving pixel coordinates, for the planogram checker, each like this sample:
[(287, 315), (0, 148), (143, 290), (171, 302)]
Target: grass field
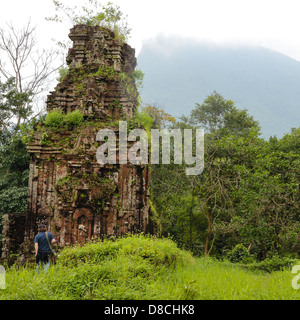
[(143, 268)]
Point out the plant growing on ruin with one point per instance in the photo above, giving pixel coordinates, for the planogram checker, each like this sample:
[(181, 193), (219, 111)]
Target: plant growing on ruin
[(55, 119), (63, 71), (74, 118), (93, 13)]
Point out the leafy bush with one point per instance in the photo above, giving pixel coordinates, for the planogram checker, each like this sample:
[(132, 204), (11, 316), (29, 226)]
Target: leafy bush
[(75, 118), (14, 173), (54, 119), (242, 258), (271, 264), (238, 254), (140, 120), (13, 199)]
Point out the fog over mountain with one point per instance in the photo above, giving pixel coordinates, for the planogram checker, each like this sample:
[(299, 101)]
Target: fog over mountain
[(180, 72)]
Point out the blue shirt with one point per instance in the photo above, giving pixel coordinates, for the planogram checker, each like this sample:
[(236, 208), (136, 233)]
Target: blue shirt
[(41, 240)]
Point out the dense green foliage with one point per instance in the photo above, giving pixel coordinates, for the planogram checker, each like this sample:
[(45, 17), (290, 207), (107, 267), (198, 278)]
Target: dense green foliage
[(247, 194), (143, 268), (14, 171), (15, 110), (56, 119)]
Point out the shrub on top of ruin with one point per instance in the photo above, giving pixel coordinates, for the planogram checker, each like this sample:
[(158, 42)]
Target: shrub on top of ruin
[(93, 13), (74, 118), (54, 119)]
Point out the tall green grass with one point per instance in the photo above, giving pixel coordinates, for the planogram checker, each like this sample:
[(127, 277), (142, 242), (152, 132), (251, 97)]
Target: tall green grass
[(139, 267)]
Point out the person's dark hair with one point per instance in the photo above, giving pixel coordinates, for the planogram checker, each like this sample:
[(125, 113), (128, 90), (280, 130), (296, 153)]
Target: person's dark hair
[(42, 228)]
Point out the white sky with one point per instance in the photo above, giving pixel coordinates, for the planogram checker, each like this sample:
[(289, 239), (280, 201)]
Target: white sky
[(274, 24)]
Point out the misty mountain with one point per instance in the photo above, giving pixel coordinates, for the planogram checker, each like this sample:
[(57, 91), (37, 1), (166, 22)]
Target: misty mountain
[(179, 73)]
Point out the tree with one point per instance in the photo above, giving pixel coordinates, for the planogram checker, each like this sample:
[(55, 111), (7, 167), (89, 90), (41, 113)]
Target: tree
[(210, 114), (26, 72), (14, 159), (170, 194), (213, 205), (220, 116), (15, 108), (14, 173), (238, 123), (289, 142), (159, 116), (265, 199)]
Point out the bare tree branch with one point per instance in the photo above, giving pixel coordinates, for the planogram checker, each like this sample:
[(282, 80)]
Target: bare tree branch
[(32, 69)]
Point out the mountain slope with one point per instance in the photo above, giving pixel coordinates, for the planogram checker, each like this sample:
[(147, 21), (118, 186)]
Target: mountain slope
[(179, 73)]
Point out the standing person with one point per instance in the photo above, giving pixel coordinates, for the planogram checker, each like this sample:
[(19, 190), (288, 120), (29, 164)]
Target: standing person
[(42, 244)]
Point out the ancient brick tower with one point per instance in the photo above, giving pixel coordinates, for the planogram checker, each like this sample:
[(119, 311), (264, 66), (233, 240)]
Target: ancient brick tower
[(78, 198)]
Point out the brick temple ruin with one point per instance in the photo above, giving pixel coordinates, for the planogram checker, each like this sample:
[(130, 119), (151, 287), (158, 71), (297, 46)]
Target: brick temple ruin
[(75, 196)]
